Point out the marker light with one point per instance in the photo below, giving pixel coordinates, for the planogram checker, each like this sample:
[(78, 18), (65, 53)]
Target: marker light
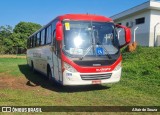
[(69, 68), (118, 66), (77, 41)]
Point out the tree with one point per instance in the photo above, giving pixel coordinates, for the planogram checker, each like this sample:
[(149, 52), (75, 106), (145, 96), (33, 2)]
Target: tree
[(22, 31), (5, 32), (26, 28), (13, 39)]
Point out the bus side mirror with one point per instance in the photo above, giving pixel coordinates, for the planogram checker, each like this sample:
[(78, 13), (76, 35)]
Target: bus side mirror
[(59, 31), (127, 34)]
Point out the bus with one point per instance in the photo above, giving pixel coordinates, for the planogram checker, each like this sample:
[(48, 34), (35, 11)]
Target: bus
[(78, 49)]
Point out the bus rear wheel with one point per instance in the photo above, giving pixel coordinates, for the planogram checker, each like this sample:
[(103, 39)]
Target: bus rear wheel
[(32, 67), (49, 73)]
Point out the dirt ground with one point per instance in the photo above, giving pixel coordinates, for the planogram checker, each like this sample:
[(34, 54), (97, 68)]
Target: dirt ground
[(15, 82), (11, 56)]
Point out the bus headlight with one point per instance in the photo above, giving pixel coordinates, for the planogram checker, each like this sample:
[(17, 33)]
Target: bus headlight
[(69, 67), (118, 66)]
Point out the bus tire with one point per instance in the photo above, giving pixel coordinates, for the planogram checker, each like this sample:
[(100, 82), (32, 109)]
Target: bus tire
[(32, 67)]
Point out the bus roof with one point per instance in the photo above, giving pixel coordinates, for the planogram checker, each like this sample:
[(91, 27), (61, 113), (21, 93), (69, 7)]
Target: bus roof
[(85, 17), (78, 17)]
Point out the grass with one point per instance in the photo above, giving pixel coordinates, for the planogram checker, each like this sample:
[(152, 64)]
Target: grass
[(10, 66), (139, 85), (141, 70)]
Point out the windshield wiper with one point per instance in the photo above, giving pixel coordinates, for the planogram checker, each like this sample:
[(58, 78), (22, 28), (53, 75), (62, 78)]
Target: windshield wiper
[(92, 46), (109, 56), (89, 48), (87, 51)]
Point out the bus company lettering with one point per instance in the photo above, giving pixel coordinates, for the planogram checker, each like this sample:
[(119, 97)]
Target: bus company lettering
[(37, 55), (103, 69)]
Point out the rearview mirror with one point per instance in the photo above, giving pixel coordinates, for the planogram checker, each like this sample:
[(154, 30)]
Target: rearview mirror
[(59, 31), (127, 34)]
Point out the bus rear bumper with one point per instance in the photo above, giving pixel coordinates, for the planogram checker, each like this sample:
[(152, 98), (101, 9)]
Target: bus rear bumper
[(71, 79)]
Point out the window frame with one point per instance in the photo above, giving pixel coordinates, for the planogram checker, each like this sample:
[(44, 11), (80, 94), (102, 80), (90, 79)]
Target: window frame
[(49, 34), (33, 44), (42, 33), (38, 36), (35, 40), (140, 20)]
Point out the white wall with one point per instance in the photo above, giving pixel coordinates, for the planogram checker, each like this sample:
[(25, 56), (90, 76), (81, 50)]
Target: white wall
[(142, 33), (155, 18)]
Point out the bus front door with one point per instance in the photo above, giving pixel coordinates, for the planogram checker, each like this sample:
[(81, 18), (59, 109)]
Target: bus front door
[(57, 64)]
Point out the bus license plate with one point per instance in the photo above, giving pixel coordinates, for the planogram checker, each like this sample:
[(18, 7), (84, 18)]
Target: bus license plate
[(96, 82)]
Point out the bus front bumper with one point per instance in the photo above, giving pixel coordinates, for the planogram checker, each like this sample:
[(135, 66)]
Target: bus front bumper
[(72, 79)]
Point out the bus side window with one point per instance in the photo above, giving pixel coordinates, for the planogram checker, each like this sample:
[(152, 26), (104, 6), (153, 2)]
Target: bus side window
[(55, 43), (43, 37), (57, 50), (54, 25), (48, 35), (54, 37), (33, 42), (38, 39)]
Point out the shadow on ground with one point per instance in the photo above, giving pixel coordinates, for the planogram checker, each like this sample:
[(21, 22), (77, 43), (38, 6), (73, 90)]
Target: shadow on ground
[(37, 79)]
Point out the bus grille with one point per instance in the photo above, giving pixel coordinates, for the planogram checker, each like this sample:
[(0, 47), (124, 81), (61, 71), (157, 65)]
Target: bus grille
[(96, 77)]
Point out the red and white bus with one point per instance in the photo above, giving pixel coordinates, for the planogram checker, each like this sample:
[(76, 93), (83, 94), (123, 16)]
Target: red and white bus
[(78, 49)]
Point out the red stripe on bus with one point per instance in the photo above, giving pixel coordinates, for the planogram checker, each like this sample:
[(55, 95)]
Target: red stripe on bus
[(83, 69)]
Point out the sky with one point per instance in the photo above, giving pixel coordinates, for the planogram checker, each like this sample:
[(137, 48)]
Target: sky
[(43, 11)]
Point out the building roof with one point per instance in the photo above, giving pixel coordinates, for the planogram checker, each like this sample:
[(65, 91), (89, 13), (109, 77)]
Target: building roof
[(153, 4)]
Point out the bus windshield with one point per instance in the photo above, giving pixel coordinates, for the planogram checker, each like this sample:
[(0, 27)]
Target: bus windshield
[(84, 38)]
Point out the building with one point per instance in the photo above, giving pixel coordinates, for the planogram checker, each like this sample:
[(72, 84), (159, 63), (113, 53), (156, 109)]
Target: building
[(144, 21)]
